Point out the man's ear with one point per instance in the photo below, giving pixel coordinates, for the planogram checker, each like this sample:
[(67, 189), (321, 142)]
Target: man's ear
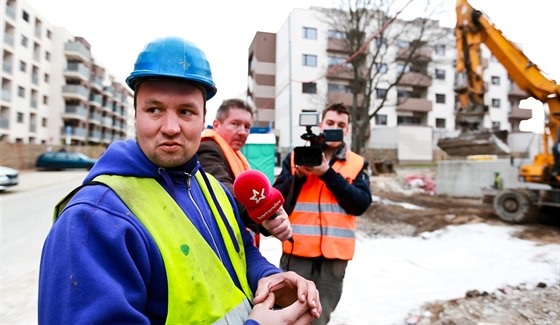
[(215, 124)]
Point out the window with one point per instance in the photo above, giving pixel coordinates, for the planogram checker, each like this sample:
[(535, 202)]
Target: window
[(440, 123), (49, 34), (309, 88), (440, 98), (46, 77), (309, 33), (309, 60), (403, 43), (495, 102), (401, 68), (338, 88), (336, 34), (496, 125), (25, 16), (380, 42), (44, 122), (46, 100), (381, 67), (47, 55), (22, 66), (495, 80), (20, 117), (21, 91), (380, 93), (338, 60), (23, 41), (381, 119), (408, 120), (440, 74), (440, 49)]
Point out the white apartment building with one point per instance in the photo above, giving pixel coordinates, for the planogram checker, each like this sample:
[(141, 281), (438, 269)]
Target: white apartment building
[(52, 89), (422, 106)]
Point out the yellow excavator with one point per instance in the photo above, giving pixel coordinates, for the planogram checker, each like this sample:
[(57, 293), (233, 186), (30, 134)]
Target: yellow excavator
[(542, 178)]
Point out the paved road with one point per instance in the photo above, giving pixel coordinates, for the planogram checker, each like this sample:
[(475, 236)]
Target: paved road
[(26, 211)]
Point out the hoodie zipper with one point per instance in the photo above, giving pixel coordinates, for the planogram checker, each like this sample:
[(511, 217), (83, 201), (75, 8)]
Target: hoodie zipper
[(202, 216)]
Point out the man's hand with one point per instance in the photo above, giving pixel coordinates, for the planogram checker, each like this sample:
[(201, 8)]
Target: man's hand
[(315, 170), (289, 288), (296, 313), (280, 226)]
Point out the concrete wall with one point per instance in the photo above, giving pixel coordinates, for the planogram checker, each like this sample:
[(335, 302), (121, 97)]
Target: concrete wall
[(23, 156), (465, 178)]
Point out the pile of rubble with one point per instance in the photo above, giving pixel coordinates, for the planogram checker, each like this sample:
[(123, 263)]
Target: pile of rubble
[(509, 305)]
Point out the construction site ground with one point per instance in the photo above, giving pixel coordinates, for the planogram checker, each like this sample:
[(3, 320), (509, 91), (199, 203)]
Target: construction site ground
[(408, 205)]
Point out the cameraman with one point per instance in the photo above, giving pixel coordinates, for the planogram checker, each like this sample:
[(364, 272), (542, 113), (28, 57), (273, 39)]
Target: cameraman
[(323, 202)]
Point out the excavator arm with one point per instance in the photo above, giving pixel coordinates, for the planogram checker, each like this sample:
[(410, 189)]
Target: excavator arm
[(472, 30)]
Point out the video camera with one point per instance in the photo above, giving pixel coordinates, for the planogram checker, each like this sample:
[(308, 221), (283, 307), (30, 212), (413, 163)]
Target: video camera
[(312, 155)]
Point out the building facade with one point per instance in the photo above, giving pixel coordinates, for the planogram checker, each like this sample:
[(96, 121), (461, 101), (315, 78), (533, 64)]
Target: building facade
[(53, 90), (416, 113)]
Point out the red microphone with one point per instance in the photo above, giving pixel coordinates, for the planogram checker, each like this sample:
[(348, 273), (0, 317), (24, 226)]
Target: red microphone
[(252, 189)]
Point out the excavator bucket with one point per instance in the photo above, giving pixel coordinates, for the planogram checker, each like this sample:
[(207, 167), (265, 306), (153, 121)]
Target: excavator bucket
[(476, 143)]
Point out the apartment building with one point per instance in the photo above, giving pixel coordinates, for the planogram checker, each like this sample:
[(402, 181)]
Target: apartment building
[(53, 90), (418, 111)]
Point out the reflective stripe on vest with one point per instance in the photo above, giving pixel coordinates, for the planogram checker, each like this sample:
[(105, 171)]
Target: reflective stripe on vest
[(236, 161), (200, 289), (321, 227)]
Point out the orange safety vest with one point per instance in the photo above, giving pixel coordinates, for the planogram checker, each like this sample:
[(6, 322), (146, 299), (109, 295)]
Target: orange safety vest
[(321, 227), (236, 161)]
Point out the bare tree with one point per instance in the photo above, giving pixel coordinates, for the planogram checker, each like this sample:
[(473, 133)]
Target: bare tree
[(383, 53)]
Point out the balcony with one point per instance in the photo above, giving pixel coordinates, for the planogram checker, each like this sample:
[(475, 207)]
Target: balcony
[(77, 133), (4, 123), (77, 51), (422, 54), (341, 73), (95, 118), (520, 113), (515, 91), (415, 79), (75, 92), (344, 98), (97, 83), (75, 112), (408, 104), (7, 67), (95, 100), (337, 45), (77, 71)]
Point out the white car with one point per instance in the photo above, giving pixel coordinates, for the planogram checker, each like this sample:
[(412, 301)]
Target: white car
[(8, 177)]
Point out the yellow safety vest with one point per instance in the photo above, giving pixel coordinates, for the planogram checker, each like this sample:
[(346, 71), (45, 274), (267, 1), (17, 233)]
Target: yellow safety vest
[(200, 289)]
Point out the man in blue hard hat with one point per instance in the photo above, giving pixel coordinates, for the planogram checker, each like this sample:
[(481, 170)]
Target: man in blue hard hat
[(150, 237)]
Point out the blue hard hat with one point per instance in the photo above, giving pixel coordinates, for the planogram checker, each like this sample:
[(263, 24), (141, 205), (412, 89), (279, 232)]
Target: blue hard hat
[(173, 57)]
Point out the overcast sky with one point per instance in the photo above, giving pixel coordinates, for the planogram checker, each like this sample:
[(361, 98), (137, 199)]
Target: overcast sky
[(224, 29)]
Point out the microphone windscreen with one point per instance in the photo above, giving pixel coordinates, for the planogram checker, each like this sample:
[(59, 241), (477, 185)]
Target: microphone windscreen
[(252, 189)]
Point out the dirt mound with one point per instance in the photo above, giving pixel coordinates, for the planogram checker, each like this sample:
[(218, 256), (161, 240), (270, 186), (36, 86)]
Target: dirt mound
[(401, 208), (509, 305)]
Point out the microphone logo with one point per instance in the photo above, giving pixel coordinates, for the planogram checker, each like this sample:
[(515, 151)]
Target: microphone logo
[(256, 196)]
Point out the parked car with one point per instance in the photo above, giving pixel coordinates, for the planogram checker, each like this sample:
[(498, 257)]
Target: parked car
[(58, 160), (8, 177)]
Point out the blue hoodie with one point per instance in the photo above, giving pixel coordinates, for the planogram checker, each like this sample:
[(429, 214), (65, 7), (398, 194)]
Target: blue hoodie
[(99, 264)]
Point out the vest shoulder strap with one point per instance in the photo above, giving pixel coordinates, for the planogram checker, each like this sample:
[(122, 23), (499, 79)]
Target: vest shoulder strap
[(62, 203)]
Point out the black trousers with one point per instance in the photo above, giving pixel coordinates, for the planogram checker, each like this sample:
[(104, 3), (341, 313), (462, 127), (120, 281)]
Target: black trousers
[(327, 274)]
